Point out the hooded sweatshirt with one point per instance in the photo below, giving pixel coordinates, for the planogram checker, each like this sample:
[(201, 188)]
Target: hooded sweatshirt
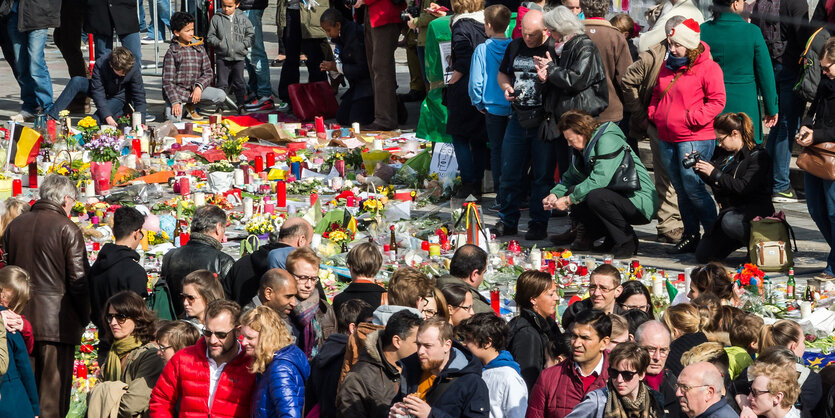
[(485, 92), (116, 269), (231, 36), (384, 312), (325, 369), (508, 392)]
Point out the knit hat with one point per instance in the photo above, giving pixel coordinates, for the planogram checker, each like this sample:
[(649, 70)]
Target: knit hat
[(687, 34)]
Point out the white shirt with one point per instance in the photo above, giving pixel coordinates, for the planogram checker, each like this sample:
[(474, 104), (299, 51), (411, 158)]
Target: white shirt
[(597, 369), (508, 392), (215, 370)]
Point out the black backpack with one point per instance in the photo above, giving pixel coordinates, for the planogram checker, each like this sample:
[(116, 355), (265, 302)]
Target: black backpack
[(810, 72)]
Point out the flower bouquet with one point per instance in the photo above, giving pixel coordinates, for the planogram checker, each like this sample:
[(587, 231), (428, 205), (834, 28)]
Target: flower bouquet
[(88, 127), (221, 176), (263, 223), (157, 238), (104, 151), (232, 146), (85, 370)]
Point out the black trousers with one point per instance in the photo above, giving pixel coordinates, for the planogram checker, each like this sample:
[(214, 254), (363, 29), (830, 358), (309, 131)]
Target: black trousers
[(295, 45), (6, 45), (68, 35), (608, 213), (231, 73), (355, 110), (729, 232)]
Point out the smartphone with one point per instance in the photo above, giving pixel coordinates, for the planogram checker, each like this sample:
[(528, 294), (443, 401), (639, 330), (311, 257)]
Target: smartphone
[(439, 9)]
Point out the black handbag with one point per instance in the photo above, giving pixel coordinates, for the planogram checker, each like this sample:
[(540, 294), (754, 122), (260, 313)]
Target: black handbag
[(625, 179), (548, 131), (529, 118)]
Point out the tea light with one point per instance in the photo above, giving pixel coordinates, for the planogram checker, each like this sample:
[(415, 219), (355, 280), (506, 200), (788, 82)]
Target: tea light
[(199, 199), (356, 127)]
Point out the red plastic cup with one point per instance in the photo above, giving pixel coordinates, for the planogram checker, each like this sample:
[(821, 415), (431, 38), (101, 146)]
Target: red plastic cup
[(17, 187)]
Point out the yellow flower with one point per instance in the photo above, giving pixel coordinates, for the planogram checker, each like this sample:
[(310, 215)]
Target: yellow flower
[(566, 254), (338, 236), (296, 159), (64, 113)]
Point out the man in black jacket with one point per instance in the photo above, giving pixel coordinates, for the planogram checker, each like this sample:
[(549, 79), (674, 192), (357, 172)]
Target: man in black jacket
[(654, 336), (203, 251), (456, 388), (357, 103), (117, 81), (244, 278)]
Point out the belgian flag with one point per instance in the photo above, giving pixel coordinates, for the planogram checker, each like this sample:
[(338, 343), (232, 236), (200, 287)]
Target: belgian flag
[(26, 143)]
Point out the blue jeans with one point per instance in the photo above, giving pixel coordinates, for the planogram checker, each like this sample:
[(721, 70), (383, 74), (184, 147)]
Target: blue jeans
[(780, 138), (104, 44), (820, 199), (471, 156), (694, 202), (496, 126), (156, 29), (79, 85), (140, 5), (257, 64), (35, 83), (521, 147)]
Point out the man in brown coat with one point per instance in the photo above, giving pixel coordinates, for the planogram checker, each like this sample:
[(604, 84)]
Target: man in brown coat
[(638, 82), (49, 246), (614, 51)]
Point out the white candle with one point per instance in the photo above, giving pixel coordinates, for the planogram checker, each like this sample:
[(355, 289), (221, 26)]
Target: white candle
[(146, 160), (199, 199), (89, 189), (378, 144), (205, 134), (805, 309), (239, 177), (536, 259), (248, 207), (356, 127), (657, 285), (130, 161), (136, 119), (144, 144)]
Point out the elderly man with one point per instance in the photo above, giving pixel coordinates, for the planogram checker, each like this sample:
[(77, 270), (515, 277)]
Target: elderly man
[(521, 147), (294, 233), (313, 318), (700, 391), (203, 251), (604, 288), (655, 337), (50, 247), (468, 265)]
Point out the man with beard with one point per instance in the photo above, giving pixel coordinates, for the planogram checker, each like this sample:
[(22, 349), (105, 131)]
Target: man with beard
[(210, 378), (442, 378)]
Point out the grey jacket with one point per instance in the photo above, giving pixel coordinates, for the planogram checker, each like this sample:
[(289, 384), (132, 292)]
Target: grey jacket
[(230, 36), (594, 404)]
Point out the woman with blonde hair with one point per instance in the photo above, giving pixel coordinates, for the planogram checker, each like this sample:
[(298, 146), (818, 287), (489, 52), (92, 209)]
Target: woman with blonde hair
[(281, 368), (685, 325), (14, 295), (14, 208), (774, 390), (811, 384), (18, 388)]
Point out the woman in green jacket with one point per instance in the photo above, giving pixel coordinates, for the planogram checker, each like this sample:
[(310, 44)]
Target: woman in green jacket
[(739, 49), (598, 211)]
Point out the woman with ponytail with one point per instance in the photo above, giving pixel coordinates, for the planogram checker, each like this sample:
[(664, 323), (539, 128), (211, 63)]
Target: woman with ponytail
[(741, 179), (686, 326)]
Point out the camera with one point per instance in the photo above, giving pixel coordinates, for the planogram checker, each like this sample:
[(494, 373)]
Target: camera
[(350, 3), (409, 13), (691, 160)]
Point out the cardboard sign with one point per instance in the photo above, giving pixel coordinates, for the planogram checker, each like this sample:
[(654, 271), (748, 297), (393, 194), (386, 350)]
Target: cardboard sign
[(443, 160)]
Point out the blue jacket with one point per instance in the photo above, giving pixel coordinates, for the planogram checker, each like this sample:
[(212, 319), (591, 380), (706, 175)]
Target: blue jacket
[(485, 92), (720, 409), (18, 393), (105, 84), (279, 392)]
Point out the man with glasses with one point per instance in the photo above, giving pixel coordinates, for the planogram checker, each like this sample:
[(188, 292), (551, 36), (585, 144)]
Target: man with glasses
[(210, 378), (313, 319), (50, 247), (700, 392), (604, 288), (655, 337)]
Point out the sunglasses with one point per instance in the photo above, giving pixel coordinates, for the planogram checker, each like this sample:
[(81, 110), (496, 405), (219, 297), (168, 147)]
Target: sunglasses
[(627, 375), (187, 296), (221, 335), (120, 319)]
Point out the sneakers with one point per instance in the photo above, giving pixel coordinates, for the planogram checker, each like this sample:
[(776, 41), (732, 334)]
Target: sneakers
[(687, 244), (536, 232), (786, 196), (824, 277), (262, 103), (230, 102), (149, 118), (190, 112), (148, 40), (283, 107)]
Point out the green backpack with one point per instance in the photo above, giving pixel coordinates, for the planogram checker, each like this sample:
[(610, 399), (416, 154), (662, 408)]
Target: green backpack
[(769, 246), (159, 300)]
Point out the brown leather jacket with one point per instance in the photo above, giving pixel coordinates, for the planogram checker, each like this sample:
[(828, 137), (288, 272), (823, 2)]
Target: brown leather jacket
[(50, 247)]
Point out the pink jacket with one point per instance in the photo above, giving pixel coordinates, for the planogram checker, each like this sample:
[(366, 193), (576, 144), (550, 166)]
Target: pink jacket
[(687, 111), (384, 12)]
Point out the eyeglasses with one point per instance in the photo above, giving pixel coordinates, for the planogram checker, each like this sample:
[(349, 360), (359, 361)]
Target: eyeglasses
[(189, 297), (304, 279), (464, 307), (827, 68), (685, 388), (663, 351), (120, 319), (165, 348), (627, 375), (221, 335), (722, 138), (756, 393), (634, 307), (593, 288), (428, 313)]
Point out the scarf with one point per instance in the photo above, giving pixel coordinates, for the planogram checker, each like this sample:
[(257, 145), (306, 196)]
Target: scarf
[(112, 369), (310, 331), (505, 359), (620, 407), (674, 63), (205, 239)]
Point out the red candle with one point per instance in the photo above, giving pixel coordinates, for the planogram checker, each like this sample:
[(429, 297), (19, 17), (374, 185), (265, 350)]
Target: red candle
[(270, 159), (17, 187), (313, 198), (184, 237), (96, 246), (137, 147), (259, 164), (281, 194), (349, 201), (245, 168), (50, 129), (185, 188), (495, 301), (33, 176)]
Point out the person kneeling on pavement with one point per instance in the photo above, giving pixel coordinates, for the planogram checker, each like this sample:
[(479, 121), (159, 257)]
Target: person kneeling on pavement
[(741, 181), (607, 188)]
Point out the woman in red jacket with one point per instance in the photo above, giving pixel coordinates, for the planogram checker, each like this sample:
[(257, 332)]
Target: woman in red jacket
[(689, 94)]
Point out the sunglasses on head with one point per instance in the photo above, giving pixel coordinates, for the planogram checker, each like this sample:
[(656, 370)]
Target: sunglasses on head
[(627, 375), (120, 319), (221, 335)]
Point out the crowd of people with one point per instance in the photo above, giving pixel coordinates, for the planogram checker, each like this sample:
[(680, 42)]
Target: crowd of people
[(252, 339)]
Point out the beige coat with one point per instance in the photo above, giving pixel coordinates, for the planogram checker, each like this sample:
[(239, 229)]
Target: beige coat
[(638, 81), (616, 59)]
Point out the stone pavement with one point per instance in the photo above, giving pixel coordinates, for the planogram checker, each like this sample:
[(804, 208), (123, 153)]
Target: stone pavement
[(809, 261)]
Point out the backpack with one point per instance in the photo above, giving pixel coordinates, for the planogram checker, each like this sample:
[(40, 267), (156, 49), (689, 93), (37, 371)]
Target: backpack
[(810, 71), (769, 246), (159, 300)]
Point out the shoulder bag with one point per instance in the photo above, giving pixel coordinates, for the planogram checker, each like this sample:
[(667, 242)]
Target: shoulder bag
[(625, 179), (818, 160)]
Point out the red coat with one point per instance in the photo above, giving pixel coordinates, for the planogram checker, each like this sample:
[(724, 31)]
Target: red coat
[(687, 111), (185, 380), (383, 12), (559, 389)]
